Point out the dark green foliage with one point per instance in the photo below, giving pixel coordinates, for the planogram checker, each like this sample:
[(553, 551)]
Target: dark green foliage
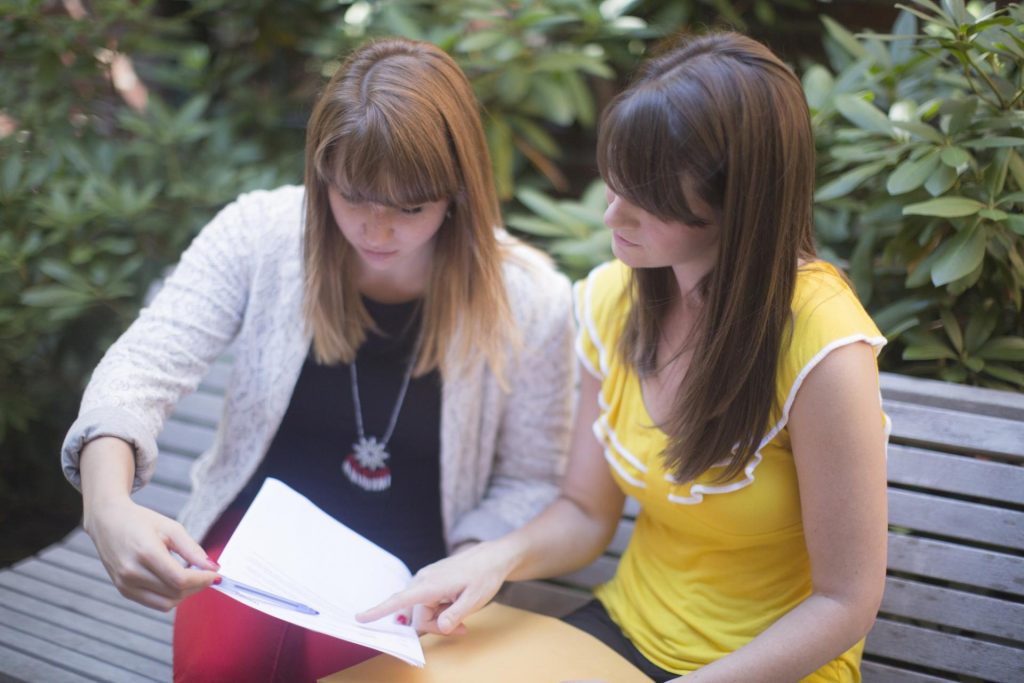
[(920, 136)]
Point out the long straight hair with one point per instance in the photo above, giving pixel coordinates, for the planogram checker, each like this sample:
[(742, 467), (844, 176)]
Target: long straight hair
[(724, 113), (398, 124)]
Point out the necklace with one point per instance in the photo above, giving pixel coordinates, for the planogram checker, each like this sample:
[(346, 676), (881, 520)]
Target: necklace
[(367, 465)]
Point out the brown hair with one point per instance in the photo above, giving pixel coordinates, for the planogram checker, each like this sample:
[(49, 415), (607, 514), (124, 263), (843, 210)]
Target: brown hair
[(398, 124), (723, 112)]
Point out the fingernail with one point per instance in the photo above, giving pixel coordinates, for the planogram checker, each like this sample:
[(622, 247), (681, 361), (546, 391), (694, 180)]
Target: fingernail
[(215, 564), (402, 619), (217, 581)]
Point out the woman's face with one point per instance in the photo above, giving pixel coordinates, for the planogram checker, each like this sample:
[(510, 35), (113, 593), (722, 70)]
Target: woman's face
[(389, 239), (642, 240)]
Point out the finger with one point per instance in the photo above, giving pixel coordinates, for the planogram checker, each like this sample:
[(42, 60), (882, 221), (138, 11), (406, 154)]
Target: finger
[(403, 600), (451, 618), (193, 553), (177, 581)]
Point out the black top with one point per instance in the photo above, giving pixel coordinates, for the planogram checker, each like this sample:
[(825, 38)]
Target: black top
[(318, 433)]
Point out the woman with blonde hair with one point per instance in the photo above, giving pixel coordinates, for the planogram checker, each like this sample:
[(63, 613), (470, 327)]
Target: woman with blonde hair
[(398, 359), (729, 384)]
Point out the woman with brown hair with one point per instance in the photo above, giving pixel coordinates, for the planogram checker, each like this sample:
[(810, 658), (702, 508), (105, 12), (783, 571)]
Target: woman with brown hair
[(398, 359), (729, 378)]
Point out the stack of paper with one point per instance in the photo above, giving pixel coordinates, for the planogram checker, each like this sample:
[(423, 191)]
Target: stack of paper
[(290, 559)]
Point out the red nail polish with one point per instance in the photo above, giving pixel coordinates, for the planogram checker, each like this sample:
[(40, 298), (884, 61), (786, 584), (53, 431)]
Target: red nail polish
[(217, 581), (402, 619)]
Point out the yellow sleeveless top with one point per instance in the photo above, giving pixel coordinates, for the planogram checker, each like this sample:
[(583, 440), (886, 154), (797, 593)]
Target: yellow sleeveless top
[(710, 565)]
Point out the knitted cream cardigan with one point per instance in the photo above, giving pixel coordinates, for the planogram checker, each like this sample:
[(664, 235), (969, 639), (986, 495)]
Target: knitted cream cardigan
[(241, 283)]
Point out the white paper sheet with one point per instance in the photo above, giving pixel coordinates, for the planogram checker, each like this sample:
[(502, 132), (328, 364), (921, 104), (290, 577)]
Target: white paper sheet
[(287, 546)]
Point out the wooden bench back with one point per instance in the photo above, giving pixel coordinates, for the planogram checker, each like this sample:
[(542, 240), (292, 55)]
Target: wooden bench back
[(954, 596)]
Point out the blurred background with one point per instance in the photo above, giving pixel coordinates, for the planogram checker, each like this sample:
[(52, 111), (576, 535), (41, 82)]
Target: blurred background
[(126, 124)]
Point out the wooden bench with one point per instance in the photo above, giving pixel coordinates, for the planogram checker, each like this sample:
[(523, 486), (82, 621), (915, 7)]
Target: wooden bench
[(954, 600)]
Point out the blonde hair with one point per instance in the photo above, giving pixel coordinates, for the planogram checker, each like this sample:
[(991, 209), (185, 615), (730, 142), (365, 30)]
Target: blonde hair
[(723, 112), (398, 125)]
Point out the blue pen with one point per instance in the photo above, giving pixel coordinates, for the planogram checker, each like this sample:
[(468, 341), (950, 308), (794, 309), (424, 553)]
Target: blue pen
[(258, 595)]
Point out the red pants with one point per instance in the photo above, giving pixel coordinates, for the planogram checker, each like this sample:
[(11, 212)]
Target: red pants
[(218, 639)]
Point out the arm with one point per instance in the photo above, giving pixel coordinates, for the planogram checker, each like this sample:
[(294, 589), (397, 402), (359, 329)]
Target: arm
[(528, 452), (111, 449), (133, 541), (839, 448), (569, 534), (168, 348)]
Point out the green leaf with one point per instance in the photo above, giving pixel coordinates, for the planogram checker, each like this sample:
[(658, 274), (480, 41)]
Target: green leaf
[(974, 364), (940, 180), (952, 327), (955, 156), (959, 256), (536, 226), (921, 130), (848, 182), (1003, 348), (995, 141), (911, 174), (479, 41), (994, 214), (818, 84), (54, 295), (898, 313), (1005, 373), (548, 209), (933, 351), (1016, 223), (863, 114), (845, 39), (948, 207), (980, 326)]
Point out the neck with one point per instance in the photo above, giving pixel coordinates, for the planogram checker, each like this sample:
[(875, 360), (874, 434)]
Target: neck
[(393, 288)]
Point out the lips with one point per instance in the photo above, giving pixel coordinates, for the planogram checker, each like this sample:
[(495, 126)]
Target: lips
[(377, 254), (623, 241)]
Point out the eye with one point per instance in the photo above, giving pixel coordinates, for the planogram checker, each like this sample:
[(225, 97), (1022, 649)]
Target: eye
[(411, 210)]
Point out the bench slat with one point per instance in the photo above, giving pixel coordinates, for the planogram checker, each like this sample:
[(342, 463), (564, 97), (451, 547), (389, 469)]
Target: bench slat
[(949, 607), (959, 397), (98, 589), (543, 597), (948, 430), (59, 655), (201, 407), (82, 604), (86, 644), (86, 565), (971, 522), (909, 466), (163, 499), (875, 672), (185, 438), (28, 667), (172, 470), (110, 633), (945, 651), (961, 564)]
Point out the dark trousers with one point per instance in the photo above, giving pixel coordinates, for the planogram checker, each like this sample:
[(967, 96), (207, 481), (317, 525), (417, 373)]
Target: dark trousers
[(595, 620)]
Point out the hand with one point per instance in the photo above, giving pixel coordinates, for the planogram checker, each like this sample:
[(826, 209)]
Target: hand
[(134, 544), (443, 594)]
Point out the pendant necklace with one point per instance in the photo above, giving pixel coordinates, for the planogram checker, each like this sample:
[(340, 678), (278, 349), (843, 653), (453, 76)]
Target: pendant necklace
[(367, 465)]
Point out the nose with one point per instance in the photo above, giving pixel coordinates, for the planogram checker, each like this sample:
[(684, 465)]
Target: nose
[(617, 213), (377, 228)]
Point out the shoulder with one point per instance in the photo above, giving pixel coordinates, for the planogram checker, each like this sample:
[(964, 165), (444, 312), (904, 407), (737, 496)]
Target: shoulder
[(601, 299), (826, 309), (272, 213), (531, 279)]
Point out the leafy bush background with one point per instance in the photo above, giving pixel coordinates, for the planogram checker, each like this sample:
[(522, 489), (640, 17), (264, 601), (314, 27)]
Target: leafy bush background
[(98, 195)]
